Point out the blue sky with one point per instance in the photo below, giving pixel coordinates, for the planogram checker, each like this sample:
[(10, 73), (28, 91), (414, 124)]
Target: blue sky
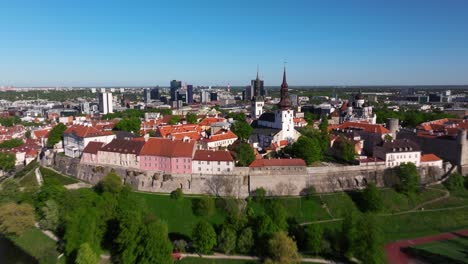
[(330, 42)]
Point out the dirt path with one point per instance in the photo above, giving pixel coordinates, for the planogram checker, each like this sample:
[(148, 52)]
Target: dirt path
[(396, 256), (445, 196)]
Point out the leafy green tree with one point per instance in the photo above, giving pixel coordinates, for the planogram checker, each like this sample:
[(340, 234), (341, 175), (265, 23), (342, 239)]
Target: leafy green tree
[(131, 124), (49, 215), (154, 246), (11, 143), (409, 178), (455, 182), (9, 121), (7, 161), (27, 134), (242, 130), (345, 150), (244, 154), (86, 255), (203, 206), (264, 227), (350, 233), (111, 183), (307, 149), (370, 245), (227, 240), (174, 120), (9, 191), (204, 237), (277, 213), (245, 241), (282, 249), (260, 194), (191, 118), (372, 198), (56, 134), (16, 218), (314, 238), (310, 117), (129, 219)]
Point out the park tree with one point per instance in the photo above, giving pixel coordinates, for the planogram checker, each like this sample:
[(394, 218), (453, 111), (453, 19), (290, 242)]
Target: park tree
[(56, 135), (86, 255), (203, 206), (242, 130), (455, 182), (350, 233), (260, 194), (16, 218), (245, 241), (369, 248), (177, 194), (409, 178), (7, 161), (191, 118), (204, 237), (129, 219), (111, 183), (310, 117), (154, 245), (314, 237), (308, 149), (11, 143), (277, 213), (9, 191), (130, 124), (174, 120), (244, 154), (227, 239), (49, 215), (282, 249), (371, 198)]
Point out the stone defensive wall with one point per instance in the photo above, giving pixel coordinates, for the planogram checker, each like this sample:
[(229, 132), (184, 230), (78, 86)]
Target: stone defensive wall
[(242, 181)]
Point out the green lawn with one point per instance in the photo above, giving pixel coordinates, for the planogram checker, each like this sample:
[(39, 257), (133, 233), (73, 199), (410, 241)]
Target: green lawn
[(48, 174), (396, 202), (459, 198), (177, 213), (29, 180), (38, 245), (304, 210), (446, 251)]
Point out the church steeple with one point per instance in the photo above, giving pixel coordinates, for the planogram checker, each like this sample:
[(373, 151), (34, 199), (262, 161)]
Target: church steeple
[(284, 103)]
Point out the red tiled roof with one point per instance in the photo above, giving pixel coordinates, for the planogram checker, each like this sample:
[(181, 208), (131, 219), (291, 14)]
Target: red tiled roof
[(180, 131), (277, 163), (41, 133), (299, 120), (86, 131), (167, 148), (429, 157), (370, 128), (221, 135), (210, 120), (93, 147), (209, 155)]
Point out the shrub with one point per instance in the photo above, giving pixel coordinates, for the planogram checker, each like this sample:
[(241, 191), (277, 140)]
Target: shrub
[(180, 245), (204, 237), (203, 206), (455, 182), (177, 194), (260, 194)]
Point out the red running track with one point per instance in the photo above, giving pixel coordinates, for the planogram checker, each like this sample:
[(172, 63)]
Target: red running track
[(396, 256)]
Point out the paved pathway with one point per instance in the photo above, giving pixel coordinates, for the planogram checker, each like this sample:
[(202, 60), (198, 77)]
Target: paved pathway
[(242, 257), (47, 232), (39, 178), (396, 256)]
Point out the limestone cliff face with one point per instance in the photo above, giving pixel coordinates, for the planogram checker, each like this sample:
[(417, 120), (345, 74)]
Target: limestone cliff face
[(242, 181)]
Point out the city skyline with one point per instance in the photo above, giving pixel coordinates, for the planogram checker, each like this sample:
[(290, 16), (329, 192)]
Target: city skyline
[(209, 43)]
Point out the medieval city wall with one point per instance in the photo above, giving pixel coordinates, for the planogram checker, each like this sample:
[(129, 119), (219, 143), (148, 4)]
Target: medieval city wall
[(242, 181)]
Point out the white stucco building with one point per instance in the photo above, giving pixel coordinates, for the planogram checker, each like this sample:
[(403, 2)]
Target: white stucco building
[(397, 152), (212, 162), (77, 137)]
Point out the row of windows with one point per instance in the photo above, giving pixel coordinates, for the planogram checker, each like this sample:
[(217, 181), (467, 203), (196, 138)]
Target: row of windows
[(219, 169), (208, 162), (161, 158)]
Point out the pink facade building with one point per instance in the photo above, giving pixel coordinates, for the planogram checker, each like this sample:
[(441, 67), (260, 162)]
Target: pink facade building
[(168, 156)]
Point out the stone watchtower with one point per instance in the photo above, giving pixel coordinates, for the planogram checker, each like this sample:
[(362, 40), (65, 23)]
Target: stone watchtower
[(393, 125), (462, 146)]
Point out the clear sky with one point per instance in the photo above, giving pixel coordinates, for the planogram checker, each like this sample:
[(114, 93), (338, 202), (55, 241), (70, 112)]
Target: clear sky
[(329, 42)]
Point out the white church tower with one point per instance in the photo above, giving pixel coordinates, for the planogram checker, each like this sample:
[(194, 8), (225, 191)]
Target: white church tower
[(257, 102), (285, 115)]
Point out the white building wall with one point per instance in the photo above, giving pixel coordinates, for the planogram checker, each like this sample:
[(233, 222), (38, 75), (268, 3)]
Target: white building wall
[(212, 167), (395, 159)]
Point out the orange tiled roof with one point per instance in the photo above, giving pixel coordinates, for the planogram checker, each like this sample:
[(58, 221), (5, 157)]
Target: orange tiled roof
[(370, 128), (167, 148), (210, 120), (221, 135), (429, 157), (86, 131)]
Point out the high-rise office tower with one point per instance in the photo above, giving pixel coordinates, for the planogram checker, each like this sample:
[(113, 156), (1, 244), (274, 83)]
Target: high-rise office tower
[(105, 103), (175, 85), (155, 93), (147, 95), (189, 94)]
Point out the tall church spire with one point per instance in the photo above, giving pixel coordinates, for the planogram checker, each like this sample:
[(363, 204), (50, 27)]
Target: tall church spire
[(284, 103)]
